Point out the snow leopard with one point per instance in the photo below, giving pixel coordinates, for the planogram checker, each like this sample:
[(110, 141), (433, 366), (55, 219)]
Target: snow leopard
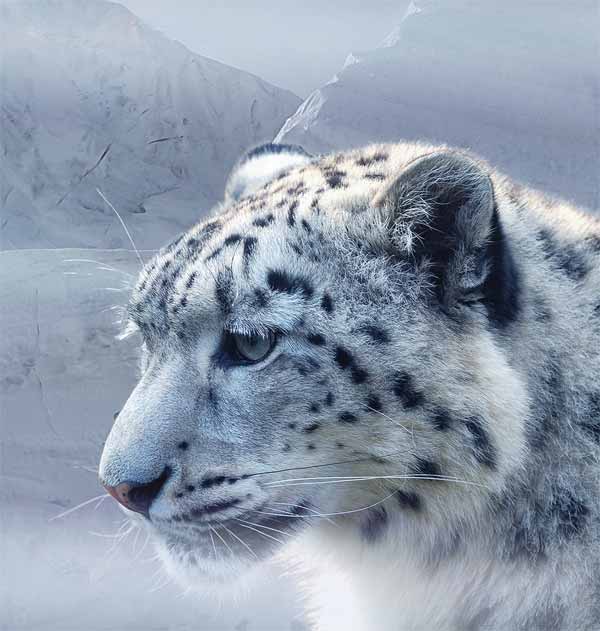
[(381, 367)]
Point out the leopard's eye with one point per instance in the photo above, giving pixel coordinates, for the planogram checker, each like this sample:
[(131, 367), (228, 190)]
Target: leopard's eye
[(252, 348)]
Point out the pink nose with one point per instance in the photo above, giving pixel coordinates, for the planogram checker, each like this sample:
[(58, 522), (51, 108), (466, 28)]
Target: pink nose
[(138, 497)]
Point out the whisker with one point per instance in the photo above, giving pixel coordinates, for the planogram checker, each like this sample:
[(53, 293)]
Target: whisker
[(212, 540), (312, 510), (251, 523), (241, 541), (223, 540), (389, 418), (264, 534), (340, 479), (100, 264), (123, 224), (98, 498), (348, 512)]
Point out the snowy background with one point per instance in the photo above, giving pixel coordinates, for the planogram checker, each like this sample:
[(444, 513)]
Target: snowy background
[(92, 96)]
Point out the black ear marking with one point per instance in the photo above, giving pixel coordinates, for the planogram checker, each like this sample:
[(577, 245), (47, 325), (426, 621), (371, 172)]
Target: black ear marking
[(443, 215)]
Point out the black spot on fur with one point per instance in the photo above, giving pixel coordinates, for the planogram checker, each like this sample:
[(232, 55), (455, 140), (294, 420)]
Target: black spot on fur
[(408, 499), (374, 403), (306, 226), (375, 176), (316, 338), (364, 161), (359, 375), (315, 408), (190, 488), (426, 468), (232, 239), (571, 512), (261, 298), (329, 399), (183, 445), (340, 445), (343, 357), (375, 524), (591, 425), (208, 483), (441, 419), (311, 428), (291, 216), (485, 452), (348, 417), (540, 430), (405, 390), (334, 176), (287, 283), (263, 222), (190, 281), (214, 254), (564, 257), (376, 333), (327, 303), (249, 247), (310, 446), (224, 291)]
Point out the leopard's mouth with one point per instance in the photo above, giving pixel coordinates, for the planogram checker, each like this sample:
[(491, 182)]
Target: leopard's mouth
[(213, 548)]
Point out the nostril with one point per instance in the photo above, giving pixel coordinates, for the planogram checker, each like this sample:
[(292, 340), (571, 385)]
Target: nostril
[(138, 497)]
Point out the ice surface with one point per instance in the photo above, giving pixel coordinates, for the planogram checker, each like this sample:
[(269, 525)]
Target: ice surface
[(62, 375), (92, 97), (517, 81)]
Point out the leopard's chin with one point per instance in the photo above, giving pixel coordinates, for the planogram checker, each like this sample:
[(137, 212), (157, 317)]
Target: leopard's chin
[(193, 565)]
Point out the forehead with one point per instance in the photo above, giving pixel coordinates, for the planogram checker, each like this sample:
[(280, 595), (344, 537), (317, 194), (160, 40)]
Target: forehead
[(279, 239)]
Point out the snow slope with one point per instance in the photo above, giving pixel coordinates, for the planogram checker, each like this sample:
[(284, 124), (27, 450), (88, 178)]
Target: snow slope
[(62, 375), (517, 82), (92, 97)]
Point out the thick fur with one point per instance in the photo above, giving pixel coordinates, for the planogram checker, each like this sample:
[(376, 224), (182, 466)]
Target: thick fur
[(426, 431)]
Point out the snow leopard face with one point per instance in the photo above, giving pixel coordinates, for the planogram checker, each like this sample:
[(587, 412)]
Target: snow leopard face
[(323, 346)]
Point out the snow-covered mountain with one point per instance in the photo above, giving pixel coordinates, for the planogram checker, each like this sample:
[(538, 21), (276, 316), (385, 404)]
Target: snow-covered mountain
[(92, 97), (517, 82)]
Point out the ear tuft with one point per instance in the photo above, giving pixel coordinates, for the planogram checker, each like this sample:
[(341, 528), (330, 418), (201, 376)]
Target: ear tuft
[(442, 213), (262, 165)]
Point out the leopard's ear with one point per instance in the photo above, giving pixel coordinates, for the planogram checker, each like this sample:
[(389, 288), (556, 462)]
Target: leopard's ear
[(443, 215), (261, 165)]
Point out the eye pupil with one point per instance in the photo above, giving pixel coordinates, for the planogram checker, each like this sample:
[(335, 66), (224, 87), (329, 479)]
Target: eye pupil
[(252, 348)]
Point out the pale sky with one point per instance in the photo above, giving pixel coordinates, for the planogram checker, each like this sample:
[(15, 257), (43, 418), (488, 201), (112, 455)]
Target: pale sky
[(298, 45)]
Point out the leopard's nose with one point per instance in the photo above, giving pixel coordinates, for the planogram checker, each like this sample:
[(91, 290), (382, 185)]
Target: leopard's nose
[(137, 496)]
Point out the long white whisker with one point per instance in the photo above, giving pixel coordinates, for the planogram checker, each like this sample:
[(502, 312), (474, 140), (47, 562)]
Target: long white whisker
[(251, 523), (212, 540), (264, 534), (100, 264), (348, 512), (241, 541), (341, 479), (389, 418), (124, 226), (312, 510), (223, 540), (98, 498)]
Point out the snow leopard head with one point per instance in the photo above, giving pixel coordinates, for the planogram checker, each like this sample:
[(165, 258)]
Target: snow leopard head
[(323, 348)]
